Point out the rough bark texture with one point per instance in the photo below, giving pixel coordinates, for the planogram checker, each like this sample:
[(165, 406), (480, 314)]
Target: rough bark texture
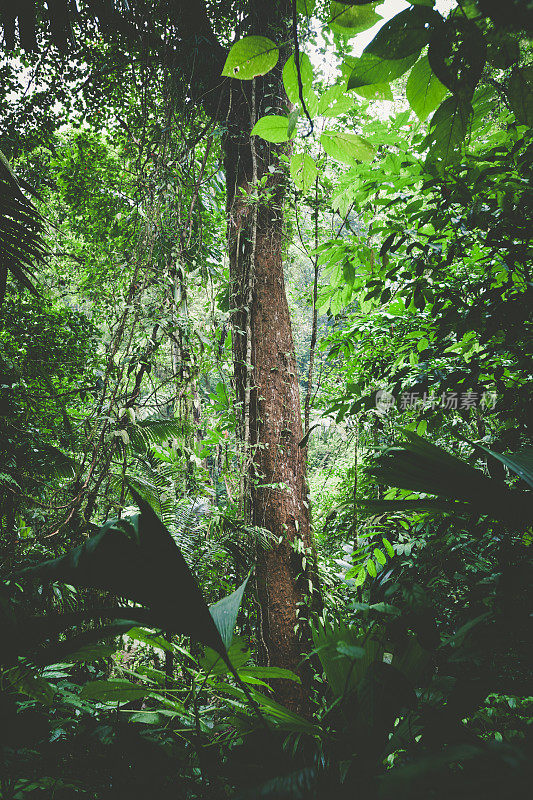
[(277, 486)]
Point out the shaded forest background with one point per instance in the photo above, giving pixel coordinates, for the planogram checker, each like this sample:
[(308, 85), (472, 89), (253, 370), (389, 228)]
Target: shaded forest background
[(265, 400)]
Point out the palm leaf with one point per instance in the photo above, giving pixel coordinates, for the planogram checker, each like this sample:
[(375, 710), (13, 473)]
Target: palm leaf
[(423, 467), (21, 227)]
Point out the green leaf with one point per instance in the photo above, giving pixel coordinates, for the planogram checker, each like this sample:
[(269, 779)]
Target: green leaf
[(371, 568), (520, 94), (151, 639), (406, 33), (342, 671), (115, 691), (92, 652), (347, 147), (269, 673), (239, 654), (290, 82), (225, 613), (24, 679), (293, 120), (303, 171), (360, 578), (375, 91), (350, 650), (448, 128), (348, 20), (156, 574), (370, 69), (334, 101), (388, 547), (251, 56), (272, 128), (305, 7), (380, 556), (520, 463), (424, 91), (457, 53), (423, 467), (391, 506)]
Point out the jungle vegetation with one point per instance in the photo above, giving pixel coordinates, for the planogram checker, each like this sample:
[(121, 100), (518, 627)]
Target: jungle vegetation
[(266, 455)]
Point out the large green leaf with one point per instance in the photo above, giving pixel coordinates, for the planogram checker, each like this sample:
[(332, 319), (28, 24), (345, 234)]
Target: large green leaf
[(520, 463), (305, 7), (137, 558), (270, 673), (272, 128), (424, 91), (406, 33), (349, 148), (334, 101), (303, 171), (345, 655), (113, 691), (375, 91), (457, 55), (349, 19), (290, 82), (520, 94), (224, 613), (389, 506), (239, 654), (448, 128), (154, 430), (424, 467), (251, 56), (371, 69)]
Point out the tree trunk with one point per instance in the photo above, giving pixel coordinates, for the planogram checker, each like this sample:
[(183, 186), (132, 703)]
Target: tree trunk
[(276, 494)]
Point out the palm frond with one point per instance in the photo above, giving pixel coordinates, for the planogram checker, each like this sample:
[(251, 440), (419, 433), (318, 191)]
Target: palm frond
[(21, 227), (154, 430), (421, 466)]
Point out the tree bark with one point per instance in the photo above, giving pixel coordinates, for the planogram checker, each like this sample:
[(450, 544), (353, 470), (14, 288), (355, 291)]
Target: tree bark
[(267, 383)]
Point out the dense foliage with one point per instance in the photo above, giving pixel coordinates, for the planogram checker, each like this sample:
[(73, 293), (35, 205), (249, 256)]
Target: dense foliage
[(132, 660)]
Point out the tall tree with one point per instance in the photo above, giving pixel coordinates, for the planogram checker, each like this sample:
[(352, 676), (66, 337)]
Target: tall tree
[(276, 495)]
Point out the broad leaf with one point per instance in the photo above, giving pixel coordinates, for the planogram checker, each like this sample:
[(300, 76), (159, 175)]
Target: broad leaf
[(335, 101), (349, 148), (137, 558), (290, 82), (424, 90), (448, 128), (520, 463), (406, 33), (239, 654), (270, 673), (375, 91), (303, 171), (114, 691), (457, 55), (520, 94), (225, 612), (272, 128), (371, 69), (305, 7), (424, 467), (348, 19), (344, 671), (251, 56)]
